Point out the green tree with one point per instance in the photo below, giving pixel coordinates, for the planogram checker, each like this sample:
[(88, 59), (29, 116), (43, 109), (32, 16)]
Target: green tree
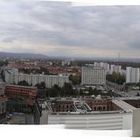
[(90, 91), (55, 91), (116, 78), (67, 89), (41, 85), (23, 83), (138, 94), (75, 79)]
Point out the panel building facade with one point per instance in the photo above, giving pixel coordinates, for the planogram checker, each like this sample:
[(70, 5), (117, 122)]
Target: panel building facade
[(33, 79), (132, 75), (93, 76)]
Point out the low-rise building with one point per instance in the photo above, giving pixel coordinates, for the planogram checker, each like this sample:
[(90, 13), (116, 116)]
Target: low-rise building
[(102, 104), (84, 105), (23, 99), (16, 91)]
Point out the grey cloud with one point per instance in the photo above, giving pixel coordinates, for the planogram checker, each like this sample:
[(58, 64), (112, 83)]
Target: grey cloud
[(58, 23)]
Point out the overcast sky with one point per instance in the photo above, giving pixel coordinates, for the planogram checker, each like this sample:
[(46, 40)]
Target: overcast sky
[(59, 29)]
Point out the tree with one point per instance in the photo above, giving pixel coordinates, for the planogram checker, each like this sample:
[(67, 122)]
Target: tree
[(116, 78), (42, 92), (41, 85), (23, 83), (67, 89), (138, 84), (3, 75), (90, 91), (3, 63), (96, 92), (75, 79), (55, 91)]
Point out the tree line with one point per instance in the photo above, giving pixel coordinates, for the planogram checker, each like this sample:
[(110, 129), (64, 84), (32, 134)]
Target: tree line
[(116, 78)]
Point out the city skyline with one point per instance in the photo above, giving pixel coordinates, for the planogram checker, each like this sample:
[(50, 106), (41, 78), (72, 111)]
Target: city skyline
[(60, 29)]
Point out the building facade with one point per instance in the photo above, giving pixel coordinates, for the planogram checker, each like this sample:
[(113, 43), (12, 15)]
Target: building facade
[(116, 69), (132, 75), (102, 105), (103, 65), (63, 106), (33, 79), (27, 93), (108, 121), (3, 101), (93, 76), (23, 99), (85, 105)]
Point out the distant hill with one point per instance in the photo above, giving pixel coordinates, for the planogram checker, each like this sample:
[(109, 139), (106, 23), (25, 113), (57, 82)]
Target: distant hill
[(41, 56), (22, 55)]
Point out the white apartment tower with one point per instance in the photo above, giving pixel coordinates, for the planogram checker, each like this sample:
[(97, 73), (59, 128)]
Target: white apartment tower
[(132, 75), (115, 68), (93, 76), (103, 65)]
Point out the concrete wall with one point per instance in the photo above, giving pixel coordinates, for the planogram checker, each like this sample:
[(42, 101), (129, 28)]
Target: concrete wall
[(29, 119), (127, 121), (44, 117), (136, 123)]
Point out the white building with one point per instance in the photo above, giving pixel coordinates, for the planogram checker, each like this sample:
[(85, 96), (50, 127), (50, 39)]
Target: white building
[(103, 65), (93, 76), (8, 72), (93, 121), (96, 64), (132, 75), (33, 79), (115, 68), (65, 62)]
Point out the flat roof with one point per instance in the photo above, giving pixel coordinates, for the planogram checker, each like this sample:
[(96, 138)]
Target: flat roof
[(125, 106)]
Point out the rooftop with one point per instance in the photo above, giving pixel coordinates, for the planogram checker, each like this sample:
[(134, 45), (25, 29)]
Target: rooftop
[(125, 106)]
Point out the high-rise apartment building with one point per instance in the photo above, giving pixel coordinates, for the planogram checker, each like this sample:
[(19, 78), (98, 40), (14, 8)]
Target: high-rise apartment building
[(115, 68), (103, 65), (93, 76), (132, 75)]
